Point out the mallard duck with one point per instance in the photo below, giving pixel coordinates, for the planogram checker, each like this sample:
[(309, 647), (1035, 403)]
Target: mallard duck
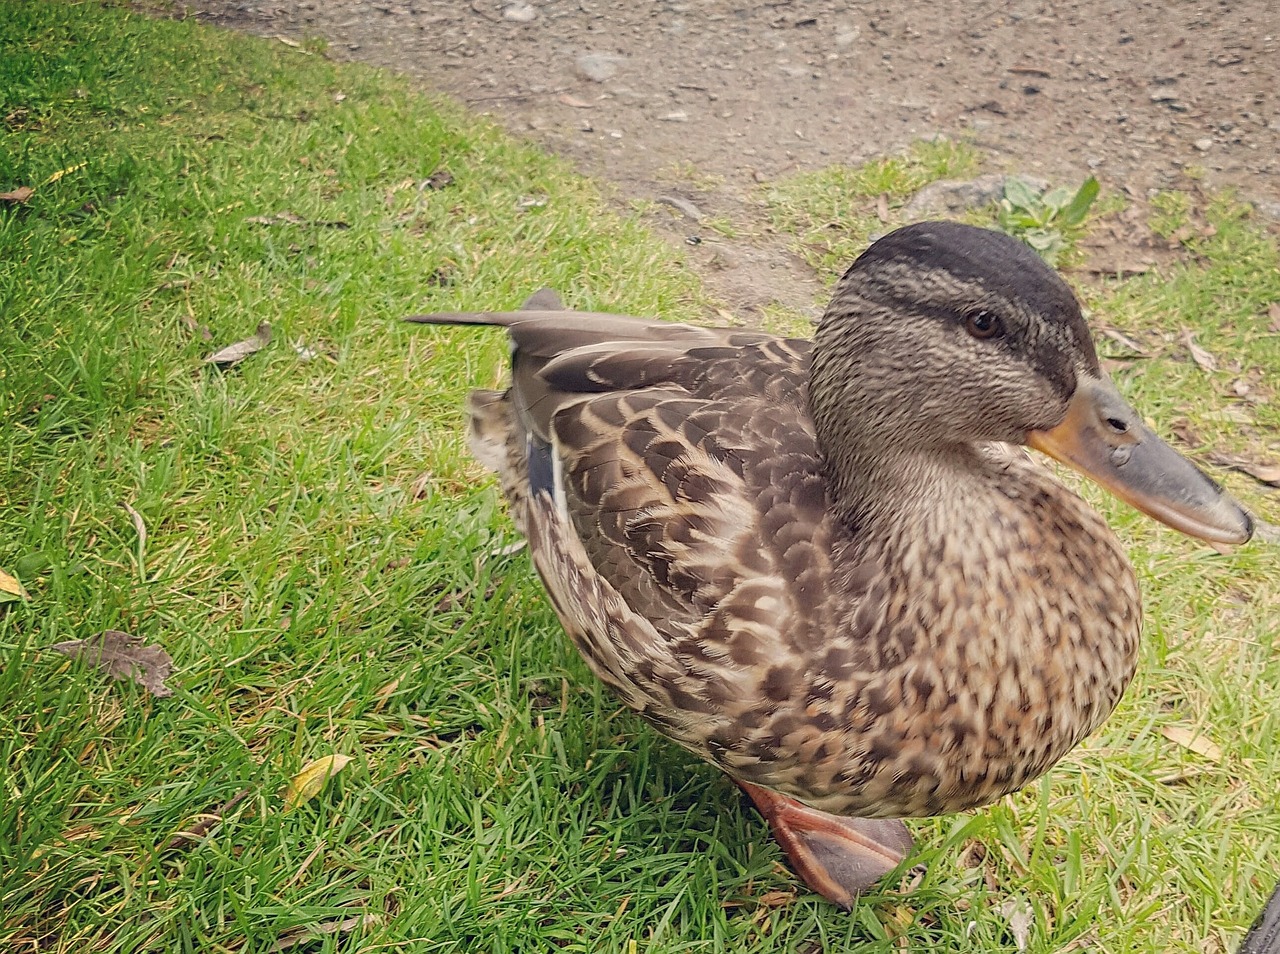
[(824, 566)]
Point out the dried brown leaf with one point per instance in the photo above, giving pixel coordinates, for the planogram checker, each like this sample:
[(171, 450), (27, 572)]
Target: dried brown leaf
[(139, 526), (421, 485), (776, 899), (306, 784), (204, 823), (1188, 738), (1273, 312), (123, 656), (573, 101), (518, 885), (196, 328), (386, 692), (439, 179), (973, 855), (10, 589), (1020, 917), (882, 207), (1120, 338), (1178, 776), (1198, 354), (235, 353), (1264, 473), (1185, 431), (18, 195), (312, 932)]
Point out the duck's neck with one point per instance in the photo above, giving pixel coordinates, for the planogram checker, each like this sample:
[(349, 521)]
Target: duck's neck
[(992, 554), (935, 490)]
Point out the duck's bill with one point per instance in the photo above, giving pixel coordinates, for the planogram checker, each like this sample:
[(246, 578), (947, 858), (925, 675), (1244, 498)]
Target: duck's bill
[(1103, 438)]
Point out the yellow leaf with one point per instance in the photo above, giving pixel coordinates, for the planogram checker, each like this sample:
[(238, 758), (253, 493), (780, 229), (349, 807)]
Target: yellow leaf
[(10, 588), (306, 784), (62, 172), (1187, 738)]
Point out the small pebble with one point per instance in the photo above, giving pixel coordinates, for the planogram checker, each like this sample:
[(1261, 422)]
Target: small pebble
[(598, 67), (520, 13)]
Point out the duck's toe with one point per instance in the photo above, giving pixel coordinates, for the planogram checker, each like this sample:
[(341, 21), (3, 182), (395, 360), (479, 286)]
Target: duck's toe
[(837, 857)]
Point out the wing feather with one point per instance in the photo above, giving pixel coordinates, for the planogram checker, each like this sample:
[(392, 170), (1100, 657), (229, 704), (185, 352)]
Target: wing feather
[(688, 521), (666, 487)]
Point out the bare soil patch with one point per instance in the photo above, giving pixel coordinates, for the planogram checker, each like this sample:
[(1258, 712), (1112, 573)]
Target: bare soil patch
[(696, 103)]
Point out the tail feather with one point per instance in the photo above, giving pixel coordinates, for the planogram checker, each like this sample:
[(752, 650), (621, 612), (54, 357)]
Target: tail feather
[(556, 360), (543, 331), (501, 443), (490, 425), (547, 332)]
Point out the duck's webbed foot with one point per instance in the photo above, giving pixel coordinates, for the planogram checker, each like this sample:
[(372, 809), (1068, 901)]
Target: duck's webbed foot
[(836, 857)]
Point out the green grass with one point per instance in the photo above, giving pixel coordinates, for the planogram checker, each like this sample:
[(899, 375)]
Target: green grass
[(324, 563), (833, 212)]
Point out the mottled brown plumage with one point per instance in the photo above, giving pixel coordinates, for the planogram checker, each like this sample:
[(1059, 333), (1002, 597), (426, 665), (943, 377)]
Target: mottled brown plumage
[(819, 565)]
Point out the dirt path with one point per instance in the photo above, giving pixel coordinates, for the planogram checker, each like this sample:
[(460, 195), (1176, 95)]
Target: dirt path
[(701, 100)]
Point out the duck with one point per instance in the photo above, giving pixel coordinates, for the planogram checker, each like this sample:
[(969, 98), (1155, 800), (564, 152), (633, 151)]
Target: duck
[(829, 567)]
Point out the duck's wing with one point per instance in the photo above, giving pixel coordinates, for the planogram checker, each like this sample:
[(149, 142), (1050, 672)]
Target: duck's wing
[(683, 457), (558, 354)]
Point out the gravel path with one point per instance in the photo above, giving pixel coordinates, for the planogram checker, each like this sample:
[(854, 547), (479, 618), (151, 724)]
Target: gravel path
[(698, 102)]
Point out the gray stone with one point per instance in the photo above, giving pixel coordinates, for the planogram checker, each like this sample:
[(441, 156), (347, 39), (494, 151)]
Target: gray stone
[(598, 67), (954, 195), (520, 13), (1269, 208)]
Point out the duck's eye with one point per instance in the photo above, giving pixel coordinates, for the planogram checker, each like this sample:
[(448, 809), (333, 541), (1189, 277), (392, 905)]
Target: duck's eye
[(982, 324)]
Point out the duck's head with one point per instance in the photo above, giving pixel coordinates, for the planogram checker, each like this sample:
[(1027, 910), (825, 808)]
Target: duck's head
[(943, 334)]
